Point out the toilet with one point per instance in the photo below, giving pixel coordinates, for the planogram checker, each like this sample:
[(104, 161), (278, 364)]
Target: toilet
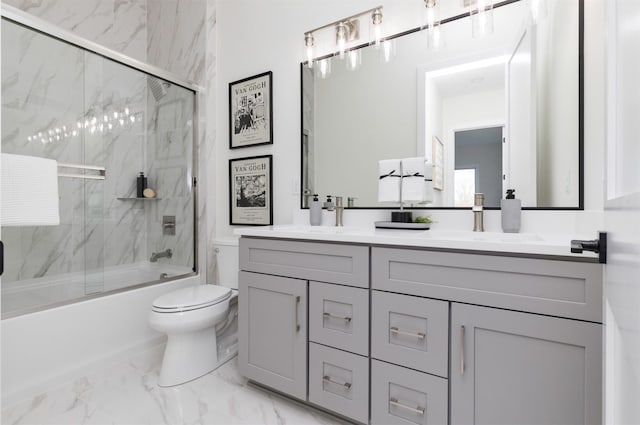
[(192, 318)]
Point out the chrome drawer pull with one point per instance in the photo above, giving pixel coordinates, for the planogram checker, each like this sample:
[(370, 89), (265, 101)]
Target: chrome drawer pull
[(395, 330), (418, 409), (327, 379), (331, 316)]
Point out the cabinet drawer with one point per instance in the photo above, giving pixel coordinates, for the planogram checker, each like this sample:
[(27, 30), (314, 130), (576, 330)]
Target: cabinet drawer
[(339, 381), (401, 396), (410, 331), (552, 287), (339, 317), (324, 262)]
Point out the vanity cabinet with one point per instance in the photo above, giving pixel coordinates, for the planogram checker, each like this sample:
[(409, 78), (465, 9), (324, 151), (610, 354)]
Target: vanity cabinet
[(273, 332), (510, 367), (393, 335)]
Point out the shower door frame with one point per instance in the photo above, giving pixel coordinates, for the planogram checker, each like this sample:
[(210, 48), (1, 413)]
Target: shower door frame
[(41, 26)]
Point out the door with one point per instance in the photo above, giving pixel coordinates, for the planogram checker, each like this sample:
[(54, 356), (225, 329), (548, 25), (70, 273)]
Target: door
[(513, 368), (273, 332), (622, 209)]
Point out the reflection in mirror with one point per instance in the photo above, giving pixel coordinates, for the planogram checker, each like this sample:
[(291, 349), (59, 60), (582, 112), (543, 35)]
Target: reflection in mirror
[(505, 106)]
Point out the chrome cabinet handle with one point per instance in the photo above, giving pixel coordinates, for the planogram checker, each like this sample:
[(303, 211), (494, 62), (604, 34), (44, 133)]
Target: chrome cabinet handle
[(329, 380), (418, 409), (395, 330), (297, 305), (331, 316), (462, 332)]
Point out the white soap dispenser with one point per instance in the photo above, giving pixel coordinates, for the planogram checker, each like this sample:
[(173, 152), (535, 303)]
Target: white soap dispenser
[(315, 211), (511, 209)]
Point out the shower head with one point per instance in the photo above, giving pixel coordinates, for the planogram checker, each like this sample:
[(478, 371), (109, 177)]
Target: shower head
[(158, 87)]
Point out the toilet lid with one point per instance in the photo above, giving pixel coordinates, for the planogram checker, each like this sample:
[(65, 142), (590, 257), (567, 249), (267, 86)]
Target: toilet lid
[(191, 298)]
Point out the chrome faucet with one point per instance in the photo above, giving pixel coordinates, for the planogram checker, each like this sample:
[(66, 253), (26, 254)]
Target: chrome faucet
[(478, 208), (339, 210), (167, 253)]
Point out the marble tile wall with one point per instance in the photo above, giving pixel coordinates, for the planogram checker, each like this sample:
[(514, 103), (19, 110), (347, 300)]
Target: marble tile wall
[(178, 36), (117, 24), (169, 161)]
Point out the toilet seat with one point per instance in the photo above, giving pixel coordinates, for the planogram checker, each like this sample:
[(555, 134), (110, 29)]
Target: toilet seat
[(191, 298)]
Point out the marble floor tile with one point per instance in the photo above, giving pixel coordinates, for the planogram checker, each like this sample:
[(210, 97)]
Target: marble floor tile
[(128, 394)]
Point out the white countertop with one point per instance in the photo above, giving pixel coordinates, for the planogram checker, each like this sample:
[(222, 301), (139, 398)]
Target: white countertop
[(518, 243)]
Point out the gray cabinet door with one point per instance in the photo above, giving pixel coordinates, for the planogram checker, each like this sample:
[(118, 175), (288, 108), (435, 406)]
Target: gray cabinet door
[(273, 332), (518, 368)]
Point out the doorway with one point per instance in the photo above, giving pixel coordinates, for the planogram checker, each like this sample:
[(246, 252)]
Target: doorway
[(479, 150)]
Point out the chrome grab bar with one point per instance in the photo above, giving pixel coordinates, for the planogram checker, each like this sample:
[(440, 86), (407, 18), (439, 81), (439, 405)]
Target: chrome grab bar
[(418, 409), (332, 316), (395, 330), (329, 380)]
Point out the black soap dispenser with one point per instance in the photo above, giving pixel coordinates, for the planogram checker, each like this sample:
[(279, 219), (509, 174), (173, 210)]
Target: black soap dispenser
[(141, 185), (511, 209)]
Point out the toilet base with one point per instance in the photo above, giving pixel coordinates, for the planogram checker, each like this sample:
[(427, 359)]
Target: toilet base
[(188, 356)]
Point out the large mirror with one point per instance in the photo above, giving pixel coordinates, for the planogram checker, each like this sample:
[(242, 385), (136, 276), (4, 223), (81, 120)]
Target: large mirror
[(488, 113)]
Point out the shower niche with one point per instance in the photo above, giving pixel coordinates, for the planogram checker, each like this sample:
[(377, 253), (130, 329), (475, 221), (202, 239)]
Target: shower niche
[(67, 100)]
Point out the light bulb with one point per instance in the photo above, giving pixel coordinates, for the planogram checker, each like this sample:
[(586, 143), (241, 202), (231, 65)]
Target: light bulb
[(376, 18), (309, 42), (354, 59), (341, 38)]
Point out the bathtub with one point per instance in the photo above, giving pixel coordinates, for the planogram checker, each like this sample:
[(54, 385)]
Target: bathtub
[(24, 296), (45, 349)]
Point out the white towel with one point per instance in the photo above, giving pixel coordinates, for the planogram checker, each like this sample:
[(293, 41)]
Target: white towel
[(413, 170), (29, 191), (389, 180)]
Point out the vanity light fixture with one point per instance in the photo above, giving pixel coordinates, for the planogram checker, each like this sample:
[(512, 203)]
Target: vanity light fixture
[(347, 30), (482, 18), (341, 38), (376, 20), (309, 42), (434, 36), (432, 12)]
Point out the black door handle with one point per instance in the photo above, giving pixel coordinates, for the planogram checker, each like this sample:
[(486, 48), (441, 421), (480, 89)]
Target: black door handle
[(599, 246)]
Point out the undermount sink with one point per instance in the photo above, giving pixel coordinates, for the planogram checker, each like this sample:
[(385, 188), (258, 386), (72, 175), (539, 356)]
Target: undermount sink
[(481, 236)]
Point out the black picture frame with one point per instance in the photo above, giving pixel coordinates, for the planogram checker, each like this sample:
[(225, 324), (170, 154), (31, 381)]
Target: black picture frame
[(251, 111), (251, 191)]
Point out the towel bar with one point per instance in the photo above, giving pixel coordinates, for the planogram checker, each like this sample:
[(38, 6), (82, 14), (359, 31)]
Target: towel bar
[(101, 170)]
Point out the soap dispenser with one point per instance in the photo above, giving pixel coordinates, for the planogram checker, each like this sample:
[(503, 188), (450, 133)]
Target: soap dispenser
[(315, 211), (511, 209)]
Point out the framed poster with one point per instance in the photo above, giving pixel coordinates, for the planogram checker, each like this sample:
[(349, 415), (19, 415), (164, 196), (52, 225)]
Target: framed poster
[(438, 163), (250, 191), (250, 111)]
